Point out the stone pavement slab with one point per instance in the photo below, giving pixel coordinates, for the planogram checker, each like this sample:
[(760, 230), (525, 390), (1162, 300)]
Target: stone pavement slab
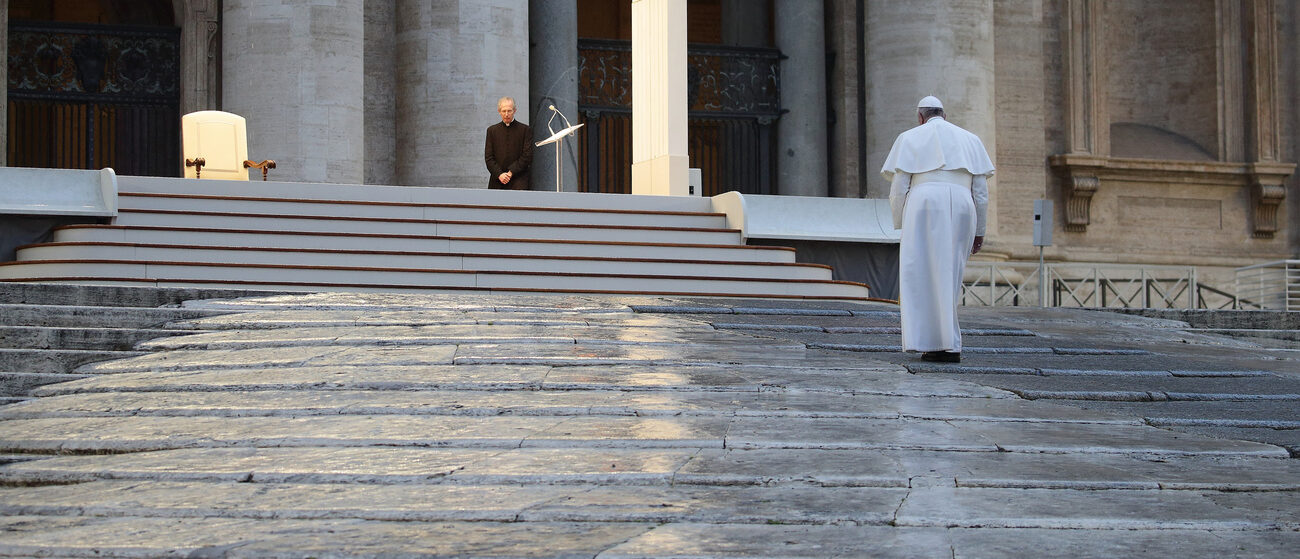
[(452, 334), (639, 466), (1114, 509), (298, 403), (26, 536), (462, 502), (699, 541), (139, 433), (989, 543), (373, 424)]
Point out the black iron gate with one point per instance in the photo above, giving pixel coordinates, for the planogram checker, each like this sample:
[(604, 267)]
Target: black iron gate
[(734, 102), (90, 96)]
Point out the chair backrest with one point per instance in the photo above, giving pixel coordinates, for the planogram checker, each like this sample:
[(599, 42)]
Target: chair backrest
[(221, 139)]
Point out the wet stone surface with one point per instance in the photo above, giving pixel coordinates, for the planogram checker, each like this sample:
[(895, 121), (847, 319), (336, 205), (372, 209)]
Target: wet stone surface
[(494, 426)]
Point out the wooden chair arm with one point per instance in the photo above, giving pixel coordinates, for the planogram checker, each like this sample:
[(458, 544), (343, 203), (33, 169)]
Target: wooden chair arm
[(197, 163), (263, 165)]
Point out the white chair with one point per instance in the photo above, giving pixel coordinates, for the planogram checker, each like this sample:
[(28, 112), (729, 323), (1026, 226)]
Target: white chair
[(214, 145)]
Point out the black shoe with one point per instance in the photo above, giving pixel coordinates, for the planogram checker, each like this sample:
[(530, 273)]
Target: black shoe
[(941, 356)]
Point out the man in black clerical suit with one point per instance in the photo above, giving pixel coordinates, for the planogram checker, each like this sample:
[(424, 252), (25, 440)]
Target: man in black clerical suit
[(509, 149)]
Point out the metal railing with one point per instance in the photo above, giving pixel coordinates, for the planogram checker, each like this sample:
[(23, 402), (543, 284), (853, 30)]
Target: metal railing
[(1095, 286), (1274, 285)]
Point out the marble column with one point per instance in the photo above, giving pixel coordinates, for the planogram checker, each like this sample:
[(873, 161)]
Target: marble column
[(294, 69), (553, 80), (659, 109), (455, 58), (943, 48), (801, 132)]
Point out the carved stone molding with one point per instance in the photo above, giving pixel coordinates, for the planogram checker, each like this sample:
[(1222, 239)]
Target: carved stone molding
[(1078, 202), (1084, 174), (1267, 190)]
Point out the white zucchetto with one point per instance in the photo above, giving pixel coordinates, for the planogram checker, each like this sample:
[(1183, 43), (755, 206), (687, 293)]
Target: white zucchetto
[(930, 101)]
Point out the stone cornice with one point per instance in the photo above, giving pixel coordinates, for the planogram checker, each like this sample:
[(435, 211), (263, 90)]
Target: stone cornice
[(1084, 174)]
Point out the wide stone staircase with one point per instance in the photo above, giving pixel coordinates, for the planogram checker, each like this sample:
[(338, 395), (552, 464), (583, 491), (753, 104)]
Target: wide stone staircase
[(324, 237), (48, 330)]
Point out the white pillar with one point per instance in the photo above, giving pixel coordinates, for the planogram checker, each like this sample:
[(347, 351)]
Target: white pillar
[(553, 80), (455, 58), (801, 132), (659, 126)]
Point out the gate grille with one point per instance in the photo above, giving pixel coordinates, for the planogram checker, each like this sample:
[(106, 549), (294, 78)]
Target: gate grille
[(90, 96)]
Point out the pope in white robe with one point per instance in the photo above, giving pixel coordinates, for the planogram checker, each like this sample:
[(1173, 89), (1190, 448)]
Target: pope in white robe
[(939, 196)]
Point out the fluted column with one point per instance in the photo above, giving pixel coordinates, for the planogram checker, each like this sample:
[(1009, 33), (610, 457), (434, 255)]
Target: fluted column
[(455, 58), (928, 47), (801, 132), (553, 80), (294, 69), (659, 119)]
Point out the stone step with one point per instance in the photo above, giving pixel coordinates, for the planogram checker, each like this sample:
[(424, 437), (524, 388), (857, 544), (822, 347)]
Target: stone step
[(103, 297), (138, 201), (414, 194), (340, 278), (82, 316), (139, 434), (21, 385), (641, 467), (55, 360), (395, 226), (60, 337), (417, 260), (190, 236), (933, 506), (550, 403), (86, 536), (152, 376)]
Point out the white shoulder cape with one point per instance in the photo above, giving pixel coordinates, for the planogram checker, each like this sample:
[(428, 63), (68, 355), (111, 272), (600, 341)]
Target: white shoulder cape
[(937, 144)]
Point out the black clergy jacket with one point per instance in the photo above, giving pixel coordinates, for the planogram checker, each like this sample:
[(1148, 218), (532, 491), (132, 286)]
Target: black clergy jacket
[(509, 148)]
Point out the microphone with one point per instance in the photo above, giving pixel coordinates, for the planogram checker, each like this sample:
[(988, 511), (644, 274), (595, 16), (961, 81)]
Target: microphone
[(552, 107)]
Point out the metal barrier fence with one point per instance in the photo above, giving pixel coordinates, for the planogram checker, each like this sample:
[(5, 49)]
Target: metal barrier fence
[(1274, 285), (1095, 286)]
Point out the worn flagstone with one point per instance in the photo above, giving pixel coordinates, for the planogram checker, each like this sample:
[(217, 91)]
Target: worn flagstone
[(474, 425), (550, 402), (26, 536), (451, 502)]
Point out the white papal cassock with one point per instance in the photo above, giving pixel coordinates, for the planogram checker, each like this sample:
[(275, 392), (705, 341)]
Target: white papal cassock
[(939, 196)]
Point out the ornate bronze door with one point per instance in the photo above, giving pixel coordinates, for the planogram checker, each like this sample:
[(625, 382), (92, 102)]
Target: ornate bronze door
[(733, 100), (84, 96)]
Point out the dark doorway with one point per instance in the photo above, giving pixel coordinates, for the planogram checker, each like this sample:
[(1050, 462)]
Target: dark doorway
[(92, 84)]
